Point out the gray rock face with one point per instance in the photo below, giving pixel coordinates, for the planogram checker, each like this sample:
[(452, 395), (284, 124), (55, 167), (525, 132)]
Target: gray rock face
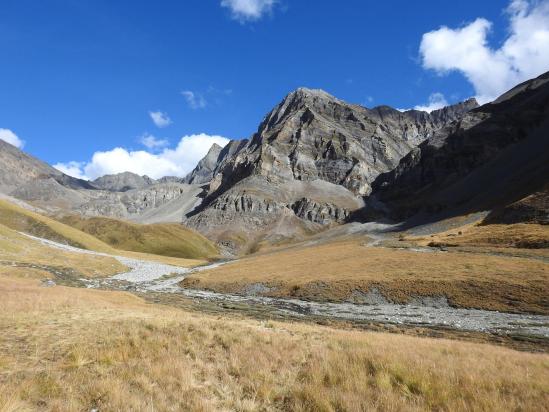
[(323, 213), (135, 204), (122, 182), (19, 168), (27, 178), (314, 139), (203, 172), (495, 155), (170, 179)]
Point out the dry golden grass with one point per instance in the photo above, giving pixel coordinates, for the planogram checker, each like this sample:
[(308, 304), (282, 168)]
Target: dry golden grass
[(519, 235), (20, 250), (70, 349), (334, 270), (166, 239), (23, 220)]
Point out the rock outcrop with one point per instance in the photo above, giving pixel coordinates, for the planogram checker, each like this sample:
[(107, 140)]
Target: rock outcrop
[(203, 172), (495, 155)]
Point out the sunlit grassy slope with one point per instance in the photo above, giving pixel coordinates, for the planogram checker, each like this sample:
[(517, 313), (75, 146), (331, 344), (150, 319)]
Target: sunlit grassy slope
[(22, 256), (168, 239), (337, 270), (518, 235), (75, 349), (23, 220)]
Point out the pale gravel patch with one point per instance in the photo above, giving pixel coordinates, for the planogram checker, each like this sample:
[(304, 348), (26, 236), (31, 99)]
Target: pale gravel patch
[(140, 270)]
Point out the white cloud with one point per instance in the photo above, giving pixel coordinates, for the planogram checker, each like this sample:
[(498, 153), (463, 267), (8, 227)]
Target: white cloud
[(248, 10), (178, 161), (73, 169), (151, 142), (8, 136), (194, 100), (436, 101), (160, 119), (523, 55)]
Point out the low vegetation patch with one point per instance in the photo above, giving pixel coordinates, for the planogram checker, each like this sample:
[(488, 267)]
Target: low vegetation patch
[(19, 254), (23, 220)]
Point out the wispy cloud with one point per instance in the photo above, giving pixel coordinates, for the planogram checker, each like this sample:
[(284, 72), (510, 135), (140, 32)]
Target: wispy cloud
[(8, 136), (74, 169), (177, 161), (524, 53), (248, 10), (436, 101), (160, 119), (194, 100), (151, 142)]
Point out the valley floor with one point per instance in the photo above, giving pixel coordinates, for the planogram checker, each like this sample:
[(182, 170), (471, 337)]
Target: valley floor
[(471, 267), (165, 347)]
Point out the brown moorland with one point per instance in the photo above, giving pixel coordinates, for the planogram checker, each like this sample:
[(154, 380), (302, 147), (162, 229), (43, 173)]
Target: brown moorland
[(333, 271), (517, 236), (72, 349)]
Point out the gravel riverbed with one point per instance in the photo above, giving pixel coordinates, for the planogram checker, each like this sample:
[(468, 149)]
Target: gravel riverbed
[(146, 276)]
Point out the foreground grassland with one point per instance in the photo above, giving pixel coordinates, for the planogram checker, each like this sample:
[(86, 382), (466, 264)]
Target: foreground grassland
[(166, 239), (336, 271), (71, 349)]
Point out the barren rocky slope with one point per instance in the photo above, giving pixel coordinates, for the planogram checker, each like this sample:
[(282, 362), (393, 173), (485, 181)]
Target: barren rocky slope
[(122, 182), (496, 155), (309, 164)]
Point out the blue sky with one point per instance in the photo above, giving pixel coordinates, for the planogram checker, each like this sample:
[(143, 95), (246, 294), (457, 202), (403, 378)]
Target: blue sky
[(83, 76)]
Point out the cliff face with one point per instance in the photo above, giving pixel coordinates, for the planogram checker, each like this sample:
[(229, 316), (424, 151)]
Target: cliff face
[(495, 155), (313, 157), (312, 135), (203, 172)]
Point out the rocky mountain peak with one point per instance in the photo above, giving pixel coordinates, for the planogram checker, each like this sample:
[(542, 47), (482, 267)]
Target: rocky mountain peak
[(203, 171), (122, 182), (452, 112)]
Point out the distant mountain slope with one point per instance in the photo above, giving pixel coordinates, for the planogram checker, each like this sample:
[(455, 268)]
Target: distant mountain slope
[(122, 182), (309, 165), (496, 155), (159, 202), (19, 168), (310, 162), (203, 172), (25, 177)]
